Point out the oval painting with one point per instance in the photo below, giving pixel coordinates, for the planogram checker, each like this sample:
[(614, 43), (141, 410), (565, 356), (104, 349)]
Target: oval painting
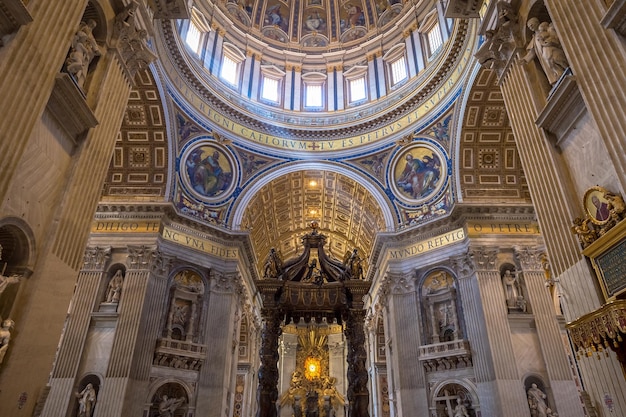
[(208, 171), (418, 173)]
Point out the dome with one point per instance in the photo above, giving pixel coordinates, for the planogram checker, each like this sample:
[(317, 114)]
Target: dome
[(314, 26)]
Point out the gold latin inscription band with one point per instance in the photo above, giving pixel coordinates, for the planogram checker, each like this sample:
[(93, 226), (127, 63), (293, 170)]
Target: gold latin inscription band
[(197, 243), (428, 245)]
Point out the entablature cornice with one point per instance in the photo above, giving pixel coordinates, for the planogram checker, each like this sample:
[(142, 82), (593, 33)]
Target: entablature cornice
[(296, 125)]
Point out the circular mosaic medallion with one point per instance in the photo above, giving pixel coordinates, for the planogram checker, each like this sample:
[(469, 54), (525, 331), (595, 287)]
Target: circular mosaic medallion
[(418, 173), (206, 170)]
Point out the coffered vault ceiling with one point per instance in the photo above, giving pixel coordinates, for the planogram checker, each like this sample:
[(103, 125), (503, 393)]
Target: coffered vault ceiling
[(281, 212)]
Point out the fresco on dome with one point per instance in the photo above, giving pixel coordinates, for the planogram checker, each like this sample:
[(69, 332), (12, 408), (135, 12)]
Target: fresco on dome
[(418, 173), (387, 12), (314, 41), (207, 171), (277, 16), (351, 15), (315, 21)]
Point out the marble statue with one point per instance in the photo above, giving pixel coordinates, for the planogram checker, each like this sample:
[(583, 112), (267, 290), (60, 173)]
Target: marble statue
[(114, 289), (5, 337), (84, 50), (86, 401), (546, 47), (274, 265), (168, 406), (353, 262), (537, 402), (460, 411), (511, 289), (6, 280)]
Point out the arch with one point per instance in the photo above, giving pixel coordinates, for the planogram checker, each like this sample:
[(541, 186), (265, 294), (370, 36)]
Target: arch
[(18, 246), (158, 385), (440, 392), (80, 390), (246, 196)]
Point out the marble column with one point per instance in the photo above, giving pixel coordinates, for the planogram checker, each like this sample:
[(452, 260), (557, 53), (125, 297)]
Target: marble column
[(358, 393), (267, 392), (552, 345), (63, 379), (501, 390)]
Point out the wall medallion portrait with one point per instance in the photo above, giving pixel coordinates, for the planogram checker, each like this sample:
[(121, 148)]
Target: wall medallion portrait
[(418, 173), (596, 205), (206, 170)]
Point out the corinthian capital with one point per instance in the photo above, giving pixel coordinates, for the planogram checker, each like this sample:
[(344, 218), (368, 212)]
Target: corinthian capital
[(530, 259), (162, 264), (463, 265), (227, 283), (140, 257), (484, 259), (96, 258), (399, 283)]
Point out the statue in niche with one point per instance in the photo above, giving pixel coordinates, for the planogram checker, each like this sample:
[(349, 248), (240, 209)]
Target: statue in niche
[(168, 406), (86, 401), (5, 337), (180, 315), (6, 280), (114, 290), (546, 47), (512, 291), (84, 49), (460, 411), (537, 402)]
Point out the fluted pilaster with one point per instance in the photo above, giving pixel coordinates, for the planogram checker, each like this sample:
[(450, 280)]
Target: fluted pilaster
[(28, 65), (131, 311), (148, 334), (474, 317), (550, 191), (214, 382), (403, 329), (597, 58), (70, 351), (551, 342), (84, 186), (505, 394)]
